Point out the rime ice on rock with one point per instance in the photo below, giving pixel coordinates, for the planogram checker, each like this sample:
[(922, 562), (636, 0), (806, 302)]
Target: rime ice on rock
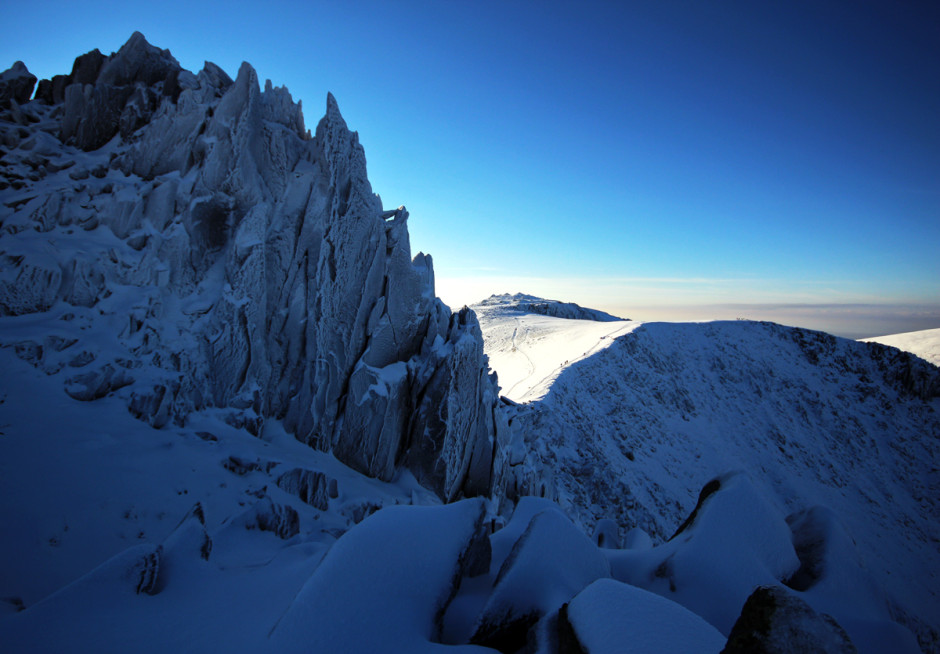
[(265, 277)]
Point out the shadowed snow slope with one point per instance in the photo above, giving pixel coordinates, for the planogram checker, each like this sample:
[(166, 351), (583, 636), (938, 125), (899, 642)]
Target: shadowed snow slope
[(635, 429)]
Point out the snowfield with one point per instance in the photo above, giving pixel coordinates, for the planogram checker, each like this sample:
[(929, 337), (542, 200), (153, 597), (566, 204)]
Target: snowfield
[(529, 350), (925, 344)]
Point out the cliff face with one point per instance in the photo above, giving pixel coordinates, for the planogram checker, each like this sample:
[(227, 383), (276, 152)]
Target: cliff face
[(238, 262)]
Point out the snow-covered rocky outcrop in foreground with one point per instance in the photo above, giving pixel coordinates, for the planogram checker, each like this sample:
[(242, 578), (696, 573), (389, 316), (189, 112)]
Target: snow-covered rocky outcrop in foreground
[(234, 417), (184, 242), (841, 438)]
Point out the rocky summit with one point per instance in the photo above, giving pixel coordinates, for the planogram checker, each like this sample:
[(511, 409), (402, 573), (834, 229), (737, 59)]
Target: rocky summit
[(240, 261)]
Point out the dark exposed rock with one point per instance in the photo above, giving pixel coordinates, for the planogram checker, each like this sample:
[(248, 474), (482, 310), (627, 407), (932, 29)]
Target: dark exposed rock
[(774, 621), (279, 519), (242, 467), (98, 383), (11, 605), (152, 406), (607, 534), (707, 491), (145, 571), (357, 511), (52, 91), (568, 642), (93, 113), (106, 96), (809, 540), (86, 67), (314, 488), (137, 62)]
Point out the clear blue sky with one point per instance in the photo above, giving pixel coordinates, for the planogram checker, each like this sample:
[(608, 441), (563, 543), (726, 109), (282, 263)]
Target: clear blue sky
[(773, 160)]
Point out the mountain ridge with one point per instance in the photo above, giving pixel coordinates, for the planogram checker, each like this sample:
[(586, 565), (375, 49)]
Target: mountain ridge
[(230, 380)]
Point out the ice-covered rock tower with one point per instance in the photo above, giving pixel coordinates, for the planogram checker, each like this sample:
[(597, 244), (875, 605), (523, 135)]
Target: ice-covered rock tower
[(242, 263)]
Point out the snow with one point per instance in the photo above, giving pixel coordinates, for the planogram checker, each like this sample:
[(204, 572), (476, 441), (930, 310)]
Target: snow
[(232, 408), (528, 351), (634, 431), (607, 614), (738, 540), (925, 343), (88, 490), (364, 596)]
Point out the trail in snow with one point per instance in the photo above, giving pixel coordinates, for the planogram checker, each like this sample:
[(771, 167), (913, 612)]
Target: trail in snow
[(529, 351)]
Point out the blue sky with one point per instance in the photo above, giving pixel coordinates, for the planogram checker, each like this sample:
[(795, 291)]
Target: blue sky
[(659, 160)]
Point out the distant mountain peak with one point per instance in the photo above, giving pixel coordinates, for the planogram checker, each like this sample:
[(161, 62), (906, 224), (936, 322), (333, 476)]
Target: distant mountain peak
[(525, 303)]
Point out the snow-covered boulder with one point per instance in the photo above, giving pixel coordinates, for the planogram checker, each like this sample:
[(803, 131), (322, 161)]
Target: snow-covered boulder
[(734, 540), (737, 539), (550, 563), (608, 616), (384, 586)]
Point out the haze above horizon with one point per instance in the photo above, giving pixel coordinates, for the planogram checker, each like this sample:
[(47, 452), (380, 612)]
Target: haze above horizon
[(763, 160)]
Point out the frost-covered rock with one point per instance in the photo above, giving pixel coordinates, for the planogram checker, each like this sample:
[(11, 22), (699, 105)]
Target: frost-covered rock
[(253, 267), (775, 622), (314, 488)]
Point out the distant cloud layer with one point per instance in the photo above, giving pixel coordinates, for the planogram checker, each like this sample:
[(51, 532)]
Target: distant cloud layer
[(848, 320), (671, 299)]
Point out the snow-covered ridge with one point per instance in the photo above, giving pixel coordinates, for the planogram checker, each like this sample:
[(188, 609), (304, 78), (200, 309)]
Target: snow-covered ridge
[(633, 430), (187, 243), (522, 303), (925, 343)]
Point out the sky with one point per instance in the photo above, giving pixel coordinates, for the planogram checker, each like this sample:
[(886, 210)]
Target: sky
[(658, 160)]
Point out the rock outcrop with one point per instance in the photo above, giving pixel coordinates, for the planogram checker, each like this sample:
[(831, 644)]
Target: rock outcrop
[(775, 622), (16, 85), (244, 262)]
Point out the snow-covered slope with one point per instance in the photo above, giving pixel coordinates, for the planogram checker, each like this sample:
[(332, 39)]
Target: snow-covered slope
[(633, 431), (925, 343), (529, 345)]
